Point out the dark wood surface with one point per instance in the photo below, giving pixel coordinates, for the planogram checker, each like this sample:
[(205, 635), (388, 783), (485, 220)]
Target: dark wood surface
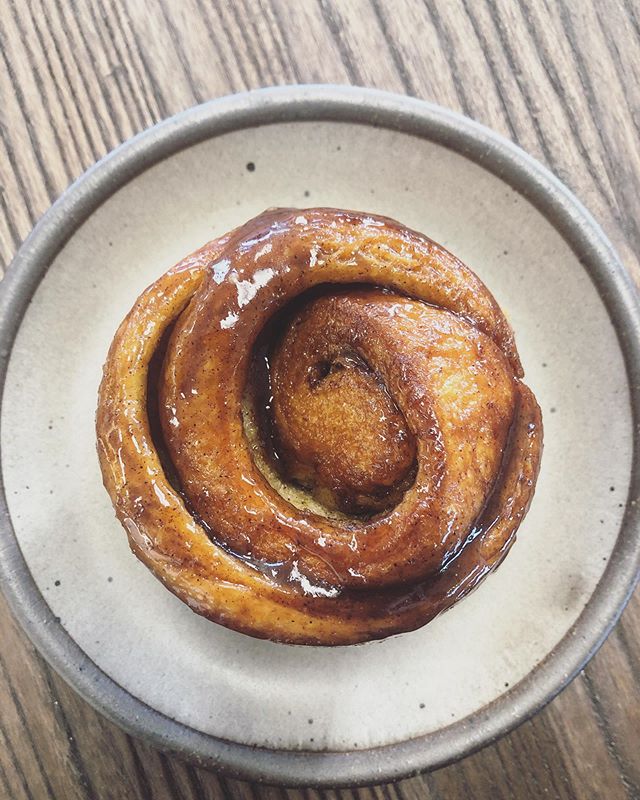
[(562, 79)]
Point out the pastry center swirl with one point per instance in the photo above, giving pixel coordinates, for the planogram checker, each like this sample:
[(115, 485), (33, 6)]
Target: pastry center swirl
[(327, 418)]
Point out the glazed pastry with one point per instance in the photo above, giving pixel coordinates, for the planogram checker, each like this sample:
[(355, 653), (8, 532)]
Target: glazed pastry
[(314, 429)]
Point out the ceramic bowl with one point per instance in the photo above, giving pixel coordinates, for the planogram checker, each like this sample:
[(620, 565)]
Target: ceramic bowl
[(296, 715)]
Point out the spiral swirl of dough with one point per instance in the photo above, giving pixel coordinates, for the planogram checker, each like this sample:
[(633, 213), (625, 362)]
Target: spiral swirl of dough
[(314, 429)]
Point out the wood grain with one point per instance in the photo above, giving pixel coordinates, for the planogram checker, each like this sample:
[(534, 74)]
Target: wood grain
[(560, 78)]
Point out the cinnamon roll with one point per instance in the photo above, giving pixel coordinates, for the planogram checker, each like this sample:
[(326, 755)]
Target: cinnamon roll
[(314, 429)]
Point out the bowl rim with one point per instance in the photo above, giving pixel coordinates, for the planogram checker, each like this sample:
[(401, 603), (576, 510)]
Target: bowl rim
[(615, 287)]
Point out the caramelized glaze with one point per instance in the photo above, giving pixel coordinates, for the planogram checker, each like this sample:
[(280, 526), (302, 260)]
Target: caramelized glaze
[(343, 445)]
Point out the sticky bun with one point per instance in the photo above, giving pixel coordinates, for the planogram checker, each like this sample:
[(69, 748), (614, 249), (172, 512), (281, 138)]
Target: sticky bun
[(314, 429)]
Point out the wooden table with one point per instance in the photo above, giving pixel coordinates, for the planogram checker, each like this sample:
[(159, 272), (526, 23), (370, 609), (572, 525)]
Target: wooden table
[(562, 79)]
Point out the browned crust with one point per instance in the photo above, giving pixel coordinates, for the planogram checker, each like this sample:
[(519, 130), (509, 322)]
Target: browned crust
[(221, 298)]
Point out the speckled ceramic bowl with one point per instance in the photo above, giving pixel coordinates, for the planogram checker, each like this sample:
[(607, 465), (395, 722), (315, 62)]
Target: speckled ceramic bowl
[(299, 715)]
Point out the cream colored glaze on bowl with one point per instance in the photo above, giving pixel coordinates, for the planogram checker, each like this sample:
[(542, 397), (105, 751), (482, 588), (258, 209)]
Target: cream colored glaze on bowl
[(280, 696)]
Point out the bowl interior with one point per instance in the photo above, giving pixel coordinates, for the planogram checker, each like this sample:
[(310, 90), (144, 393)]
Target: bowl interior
[(260, 693)]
